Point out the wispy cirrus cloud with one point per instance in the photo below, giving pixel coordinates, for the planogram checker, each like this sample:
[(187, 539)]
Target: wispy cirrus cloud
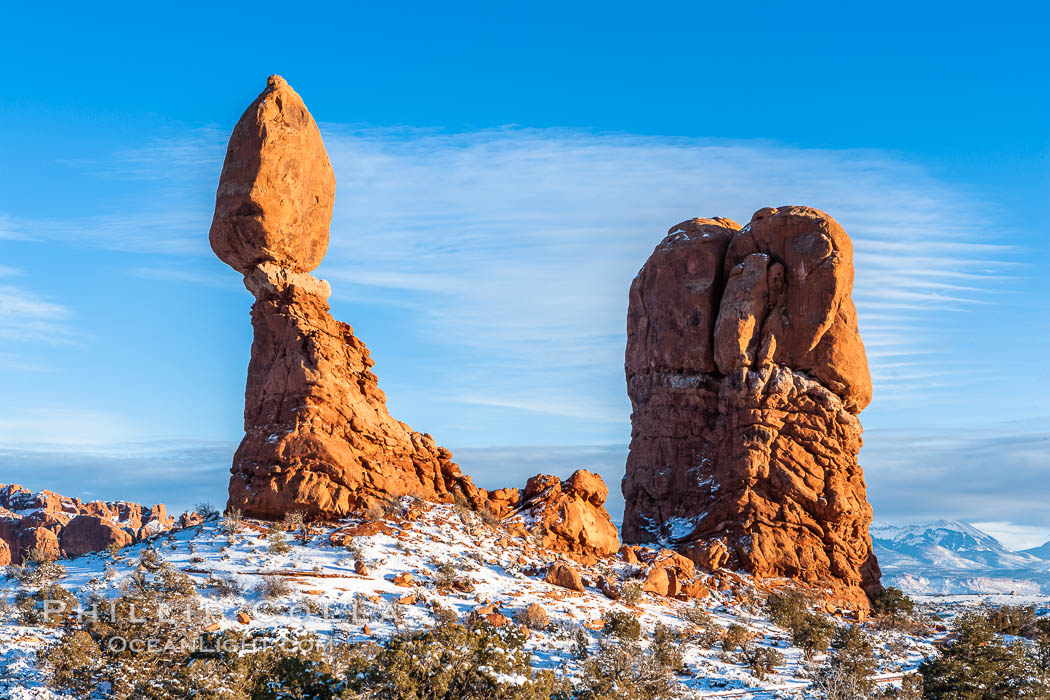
[(993, 476), (525, 241), (511, 250), (27, 317)]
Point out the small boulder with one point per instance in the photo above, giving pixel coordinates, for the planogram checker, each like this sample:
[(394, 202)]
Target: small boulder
[(496, 620), (608, 589), (561, 574), (630, 554), (536, 617), (694, 589), (661, 581)]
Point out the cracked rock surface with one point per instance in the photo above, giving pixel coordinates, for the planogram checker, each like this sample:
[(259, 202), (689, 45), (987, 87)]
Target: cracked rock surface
[(746, 374)]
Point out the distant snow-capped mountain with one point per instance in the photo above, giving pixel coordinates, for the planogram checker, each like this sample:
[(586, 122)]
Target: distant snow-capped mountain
[(1042, 551), (949, 556)]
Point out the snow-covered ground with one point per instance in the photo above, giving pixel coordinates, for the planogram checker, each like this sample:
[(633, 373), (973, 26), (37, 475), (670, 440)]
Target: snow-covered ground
[(330, 599)]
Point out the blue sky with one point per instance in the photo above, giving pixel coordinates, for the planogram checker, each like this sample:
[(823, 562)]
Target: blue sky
[(502, 174)]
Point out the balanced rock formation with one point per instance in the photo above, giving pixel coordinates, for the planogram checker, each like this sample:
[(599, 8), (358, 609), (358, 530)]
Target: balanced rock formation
[(50, 525), (318, 437), (746, 373)]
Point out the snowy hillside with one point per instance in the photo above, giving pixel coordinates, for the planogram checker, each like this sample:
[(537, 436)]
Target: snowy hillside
[(1041, 552), (953, 557), (368, 580)]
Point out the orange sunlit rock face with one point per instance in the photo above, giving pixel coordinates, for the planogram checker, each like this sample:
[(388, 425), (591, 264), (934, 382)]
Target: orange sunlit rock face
[(746, 373)]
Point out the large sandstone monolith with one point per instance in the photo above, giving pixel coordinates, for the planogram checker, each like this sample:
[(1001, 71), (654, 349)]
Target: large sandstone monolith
[(746, 373), (318, 437)]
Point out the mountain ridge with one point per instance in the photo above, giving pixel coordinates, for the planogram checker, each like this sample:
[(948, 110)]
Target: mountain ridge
[(955, 557)]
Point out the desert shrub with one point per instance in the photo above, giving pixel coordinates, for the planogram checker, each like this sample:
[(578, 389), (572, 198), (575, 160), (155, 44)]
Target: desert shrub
[(850, 666), (749, 601), (1015, 620), (760, 661), (232, 521), (1042, 645), (224, 665), (707, 637), (206, 510), (895, 610), (810, 631), (666, 648), (812, 634), (445, 576), (979, 665), (150, 559), (581, 644), (696, 614), (631, 592), (451, 662), (164, 580), (707, 633), (36, 569), (305, 668), (892, 603), (74, 663), (786, 609), (489, 518), (278, 544), (50, 605), (443, 615), (296, 520), (621, 625), (734, 637), (389, 507), (621, 670), (910, 689), (228, 586), (271, 587), (136, 644)]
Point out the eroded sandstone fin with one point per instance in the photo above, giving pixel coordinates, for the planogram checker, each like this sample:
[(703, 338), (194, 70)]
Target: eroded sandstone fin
[(744, 431)]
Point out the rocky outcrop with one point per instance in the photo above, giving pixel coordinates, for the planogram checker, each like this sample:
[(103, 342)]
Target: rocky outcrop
[(563, 516), (746, 373), (90, 533), (52, 525), (318, 437)]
